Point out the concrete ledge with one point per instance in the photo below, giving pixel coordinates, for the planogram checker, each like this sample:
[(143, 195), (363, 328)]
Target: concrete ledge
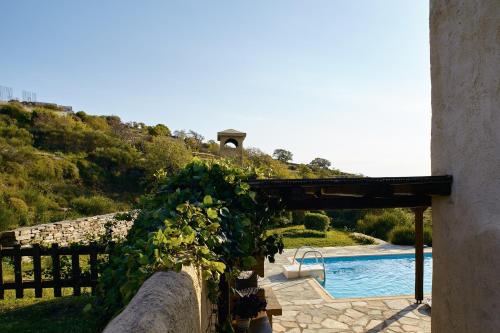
[(167, 302)]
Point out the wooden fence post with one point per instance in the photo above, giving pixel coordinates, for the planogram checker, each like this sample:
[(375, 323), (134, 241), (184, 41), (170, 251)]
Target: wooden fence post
[(75, 271), (18, 272), (37, 270), (93, 267), (1, 274), (56, 269)]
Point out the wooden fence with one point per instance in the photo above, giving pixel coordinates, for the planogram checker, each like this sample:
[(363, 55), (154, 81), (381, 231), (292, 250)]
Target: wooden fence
[(57, 281)]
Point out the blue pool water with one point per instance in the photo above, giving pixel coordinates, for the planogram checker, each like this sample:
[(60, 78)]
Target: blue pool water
[(371, 276)]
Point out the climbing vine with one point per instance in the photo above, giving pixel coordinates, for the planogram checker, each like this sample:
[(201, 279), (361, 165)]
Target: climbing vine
[(207, 216)]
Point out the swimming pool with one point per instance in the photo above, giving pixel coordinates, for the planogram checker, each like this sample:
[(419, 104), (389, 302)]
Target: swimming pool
[(372, 276)]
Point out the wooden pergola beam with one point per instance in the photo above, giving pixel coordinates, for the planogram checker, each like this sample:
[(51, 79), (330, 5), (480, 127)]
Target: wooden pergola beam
[(350, 202), (365, 186)]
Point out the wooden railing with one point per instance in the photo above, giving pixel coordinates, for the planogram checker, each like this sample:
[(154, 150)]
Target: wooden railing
[(57, 280)]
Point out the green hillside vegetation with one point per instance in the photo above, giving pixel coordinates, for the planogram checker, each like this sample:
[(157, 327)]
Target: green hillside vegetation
[(57, 165)]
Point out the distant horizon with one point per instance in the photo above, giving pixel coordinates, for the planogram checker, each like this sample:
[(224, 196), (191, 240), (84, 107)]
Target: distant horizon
[(348, 82)]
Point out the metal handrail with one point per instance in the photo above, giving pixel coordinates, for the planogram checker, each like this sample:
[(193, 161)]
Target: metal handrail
[(315, 255), (302, 247), (312, 250)]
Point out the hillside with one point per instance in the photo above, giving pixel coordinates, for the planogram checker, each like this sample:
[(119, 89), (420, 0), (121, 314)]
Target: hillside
[(56, 164)]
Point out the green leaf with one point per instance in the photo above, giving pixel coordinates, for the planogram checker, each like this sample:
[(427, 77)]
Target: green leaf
[(213, 227), (207, 200), (87, 308), (182, 208), (218, 266), (248, 262), (212, 213)]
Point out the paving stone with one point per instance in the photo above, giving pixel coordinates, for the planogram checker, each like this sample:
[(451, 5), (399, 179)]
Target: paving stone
[(396, 329), (290, 313), (411, 328), (375, 324), (294, 330), (397, 304), (289, 324), (303, 318), (316, 326), (278, 328), (362, 321), (339, 305), (409, 321), (353, 313), (330, 323), (345, 319)]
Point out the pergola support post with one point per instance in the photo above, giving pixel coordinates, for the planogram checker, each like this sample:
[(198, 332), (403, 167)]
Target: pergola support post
[(419, 254)]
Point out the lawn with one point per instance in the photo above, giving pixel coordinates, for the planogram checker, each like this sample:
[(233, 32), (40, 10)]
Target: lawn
[(297, 236), (48, 314)]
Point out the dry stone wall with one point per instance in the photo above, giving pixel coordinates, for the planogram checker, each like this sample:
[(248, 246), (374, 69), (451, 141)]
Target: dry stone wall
[(67, 232)]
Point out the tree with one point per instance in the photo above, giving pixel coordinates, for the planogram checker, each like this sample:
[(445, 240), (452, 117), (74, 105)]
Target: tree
[(165, 153), (320, 163), (194, 140), (159, 130), (283, 155)]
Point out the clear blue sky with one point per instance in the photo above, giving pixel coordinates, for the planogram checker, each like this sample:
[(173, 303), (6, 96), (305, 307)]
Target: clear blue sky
[(345, 80)]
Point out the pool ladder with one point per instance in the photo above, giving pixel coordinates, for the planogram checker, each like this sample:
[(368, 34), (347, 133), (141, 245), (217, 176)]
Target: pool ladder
[(311, 250)]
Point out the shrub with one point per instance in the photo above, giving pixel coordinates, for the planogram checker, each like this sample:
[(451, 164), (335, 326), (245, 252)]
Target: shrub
[(346, 218), (207, 216), (380, 226), (8, 219), (316, 221), (304, 234), (19, 205), (362, 239), (428, 236), (402, 235), (93, 205), (405, 235), (17, 112), (165, 153), (298, 217), (282, 220)]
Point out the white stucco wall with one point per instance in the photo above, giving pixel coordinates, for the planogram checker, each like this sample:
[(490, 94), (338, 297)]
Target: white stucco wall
[(465, 68)]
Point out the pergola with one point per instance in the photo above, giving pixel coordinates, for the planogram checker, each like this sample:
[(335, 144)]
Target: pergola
[(362, 193)]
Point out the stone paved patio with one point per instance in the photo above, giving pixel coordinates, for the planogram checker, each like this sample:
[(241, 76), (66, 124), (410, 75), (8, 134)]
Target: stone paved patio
[(308, 308)]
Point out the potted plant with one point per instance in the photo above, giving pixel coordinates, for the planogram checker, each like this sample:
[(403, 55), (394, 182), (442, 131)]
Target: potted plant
[(246, 308)]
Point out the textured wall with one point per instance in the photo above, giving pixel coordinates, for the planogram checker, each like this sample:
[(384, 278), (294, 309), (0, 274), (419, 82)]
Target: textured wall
[(167, 302), (465, 67), (66, 232)]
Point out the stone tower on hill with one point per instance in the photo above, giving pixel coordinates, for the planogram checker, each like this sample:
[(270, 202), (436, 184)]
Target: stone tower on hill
[(231, 144)]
